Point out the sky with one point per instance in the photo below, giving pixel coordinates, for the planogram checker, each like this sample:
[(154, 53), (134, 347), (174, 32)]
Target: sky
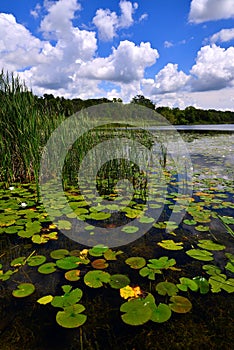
[(177, 53)]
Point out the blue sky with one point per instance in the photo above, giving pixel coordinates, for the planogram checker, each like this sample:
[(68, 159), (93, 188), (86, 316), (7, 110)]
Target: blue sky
[(177, 53)]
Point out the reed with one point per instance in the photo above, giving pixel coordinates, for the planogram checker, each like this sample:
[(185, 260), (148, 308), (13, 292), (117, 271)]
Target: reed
[(24, 130)]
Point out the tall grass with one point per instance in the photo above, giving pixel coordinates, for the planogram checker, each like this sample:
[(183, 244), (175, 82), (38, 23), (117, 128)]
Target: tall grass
[(24, 130)]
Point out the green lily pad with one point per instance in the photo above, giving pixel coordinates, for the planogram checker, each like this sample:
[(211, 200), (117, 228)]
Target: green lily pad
[(203, 284), (187, 283), (69, 298), (111, 255), (136, 312), (161, 313), (59, 253), (71, 317), (64, 225), (190, 222), (146, 220), (162, 263), (202, 228), (180, 304), (219, 282), (211, 269), (209, 245), (99, 216), (6, 276), (230, 267), (45, 300), (119, 281), (98, 250), (18, 261), (136, 262), (150, 273), (170, 244), (166, 288), (23, 290), (95, 279), (230, 257), (47, 268), (36, 260), (199, 254), (130, 229), (69, 262)]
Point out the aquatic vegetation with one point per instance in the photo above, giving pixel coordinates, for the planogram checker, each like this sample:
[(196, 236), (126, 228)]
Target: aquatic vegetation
[(23, 290)]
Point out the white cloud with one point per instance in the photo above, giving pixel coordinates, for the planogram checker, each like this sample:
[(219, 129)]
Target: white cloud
[(214, 68), (169, 79), (223, 35), (18, 47), (219, 100), (210, 10), (58, 20), (143, 17), (168, 44), (126, 63), (108, 22)]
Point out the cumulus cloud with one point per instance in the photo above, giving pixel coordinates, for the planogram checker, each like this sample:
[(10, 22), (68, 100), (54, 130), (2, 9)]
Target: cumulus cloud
[(210, 10), (108, 22), (214, 68), (222, 36), (169, 79), (126, 63), (58, 20), (18, 47)]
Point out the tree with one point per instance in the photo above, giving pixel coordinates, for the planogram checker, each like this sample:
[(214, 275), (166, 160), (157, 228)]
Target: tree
[(141, 100)]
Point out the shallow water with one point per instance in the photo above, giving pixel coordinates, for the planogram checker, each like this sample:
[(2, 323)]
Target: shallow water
[(209, 325)]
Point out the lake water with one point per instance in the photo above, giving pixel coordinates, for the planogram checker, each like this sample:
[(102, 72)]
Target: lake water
[(24, 324)]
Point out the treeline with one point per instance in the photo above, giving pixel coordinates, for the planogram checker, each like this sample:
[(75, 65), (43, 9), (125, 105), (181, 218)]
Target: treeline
[(176, 116)]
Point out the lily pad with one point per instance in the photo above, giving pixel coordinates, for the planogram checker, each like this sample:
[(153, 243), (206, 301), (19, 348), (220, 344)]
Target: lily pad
[(99, 216), (71, 317), (23, 290), (210, 245), (69, 262), (171, 245), (59, 253), (111, 255), (99, 264), (119, 281), (203, 284), (180, 304), (36, 260), (45, 300), (162, 263), (69, 298), (136, 262), (199, 254), (98, 250), (146, 220), (64, 225), (95, 279), (72, 275), (47, 268), (230, 267), (211, 269), (187, 283), (136, 312), (219, 282), (18, 261), (161, 313), (166, 288), (130, 229)]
